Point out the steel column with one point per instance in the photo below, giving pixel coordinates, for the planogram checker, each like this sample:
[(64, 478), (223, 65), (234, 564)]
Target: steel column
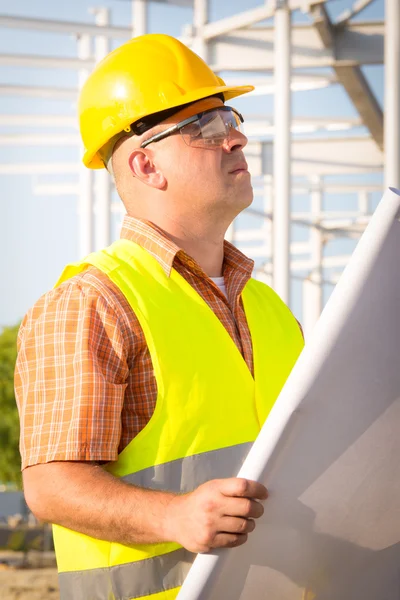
[(312, 286), (85, 198), (267, 224), (139, 17), (103, 182), (282, 171), (200, 19), (363, 202), (392, 94)]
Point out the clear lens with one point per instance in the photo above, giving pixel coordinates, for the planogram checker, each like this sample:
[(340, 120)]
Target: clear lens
[(211, 129)]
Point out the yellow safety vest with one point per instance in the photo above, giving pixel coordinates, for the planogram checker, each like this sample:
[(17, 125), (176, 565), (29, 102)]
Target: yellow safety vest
[(208, 412)]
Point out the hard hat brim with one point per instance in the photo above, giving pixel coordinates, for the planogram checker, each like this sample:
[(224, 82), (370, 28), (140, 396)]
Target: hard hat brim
[(92, 159)]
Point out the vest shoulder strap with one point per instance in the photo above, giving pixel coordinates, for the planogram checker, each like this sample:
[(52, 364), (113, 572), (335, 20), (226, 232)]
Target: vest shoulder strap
[(106, 260)]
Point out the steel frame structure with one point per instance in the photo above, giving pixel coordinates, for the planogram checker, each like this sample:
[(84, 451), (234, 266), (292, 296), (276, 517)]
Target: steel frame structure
[(242, 43)]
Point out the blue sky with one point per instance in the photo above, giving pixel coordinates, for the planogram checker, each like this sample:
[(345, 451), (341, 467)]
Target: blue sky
[(39, 234)]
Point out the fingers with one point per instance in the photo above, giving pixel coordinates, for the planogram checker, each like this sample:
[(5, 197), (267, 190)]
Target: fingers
[(229, 540), (233, 532), (243, 488), (219, 513), (242, 507), (236, 525)]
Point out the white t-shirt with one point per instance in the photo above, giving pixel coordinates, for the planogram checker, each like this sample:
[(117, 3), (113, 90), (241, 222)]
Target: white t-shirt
[(220, 282)]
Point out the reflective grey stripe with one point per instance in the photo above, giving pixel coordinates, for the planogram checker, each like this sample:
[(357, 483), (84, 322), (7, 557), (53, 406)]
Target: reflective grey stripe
[(168, 571), (132, 580), (186, 474)]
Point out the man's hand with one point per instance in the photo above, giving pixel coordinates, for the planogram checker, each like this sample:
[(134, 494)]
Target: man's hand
[(85, 498), (219, 513)]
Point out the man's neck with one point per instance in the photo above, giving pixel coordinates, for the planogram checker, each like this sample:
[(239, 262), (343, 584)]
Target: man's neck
[(206, 248), (209, 255)]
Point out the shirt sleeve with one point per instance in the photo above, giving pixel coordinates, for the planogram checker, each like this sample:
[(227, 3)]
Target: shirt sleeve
[(70, 379)]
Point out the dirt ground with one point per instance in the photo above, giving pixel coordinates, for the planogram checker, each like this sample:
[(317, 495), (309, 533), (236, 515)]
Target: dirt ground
[(28, 584), (31, 583)]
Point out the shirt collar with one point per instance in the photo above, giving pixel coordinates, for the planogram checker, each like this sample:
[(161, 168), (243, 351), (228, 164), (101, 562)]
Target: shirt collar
[(153, 239)]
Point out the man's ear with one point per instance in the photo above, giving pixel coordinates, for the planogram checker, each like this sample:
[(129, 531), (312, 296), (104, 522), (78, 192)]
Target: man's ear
[(142, 166)]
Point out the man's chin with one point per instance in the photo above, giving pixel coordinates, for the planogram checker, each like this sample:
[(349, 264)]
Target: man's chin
[(247, 198), (243, 202)]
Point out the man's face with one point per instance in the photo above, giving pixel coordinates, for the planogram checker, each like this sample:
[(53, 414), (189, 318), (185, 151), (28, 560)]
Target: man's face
[(213, 179)]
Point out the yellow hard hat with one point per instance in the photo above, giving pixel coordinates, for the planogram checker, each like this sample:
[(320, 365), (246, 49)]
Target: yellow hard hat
[(149, 74)]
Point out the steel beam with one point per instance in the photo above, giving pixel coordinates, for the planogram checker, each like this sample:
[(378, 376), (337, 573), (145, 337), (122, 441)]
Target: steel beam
[(39, 92), (332, 123), (359, 91), (296, 86), (361, 42), (323, 25), (298, 77), (331, 188), (298, 264), (349, 13), (250, 17), (38, 168), (7, 120), (321, 156), (252, 49), (45, 62), (350, 77), (67, 27), (238, 21), (56, 189), (22, 139)]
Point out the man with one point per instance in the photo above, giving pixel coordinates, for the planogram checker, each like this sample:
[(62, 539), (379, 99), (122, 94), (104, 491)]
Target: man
[(146, 374)]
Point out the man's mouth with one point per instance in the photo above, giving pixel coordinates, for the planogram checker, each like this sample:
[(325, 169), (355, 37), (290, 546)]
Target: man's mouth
[(242, 166)]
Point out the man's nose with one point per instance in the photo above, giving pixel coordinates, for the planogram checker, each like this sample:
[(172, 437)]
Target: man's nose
[(236, 140)]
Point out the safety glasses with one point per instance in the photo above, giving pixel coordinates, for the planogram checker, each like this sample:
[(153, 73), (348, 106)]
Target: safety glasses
[(207, 129)]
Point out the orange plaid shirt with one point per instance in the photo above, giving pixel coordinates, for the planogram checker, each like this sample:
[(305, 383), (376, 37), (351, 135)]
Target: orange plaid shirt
[(84, 380)]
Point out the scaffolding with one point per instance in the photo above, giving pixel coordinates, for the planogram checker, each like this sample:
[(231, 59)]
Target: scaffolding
[(286, 156)]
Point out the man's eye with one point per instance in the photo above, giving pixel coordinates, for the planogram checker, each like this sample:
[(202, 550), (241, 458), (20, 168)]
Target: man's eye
[(205, 119), (210, 121), (193, 129)]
